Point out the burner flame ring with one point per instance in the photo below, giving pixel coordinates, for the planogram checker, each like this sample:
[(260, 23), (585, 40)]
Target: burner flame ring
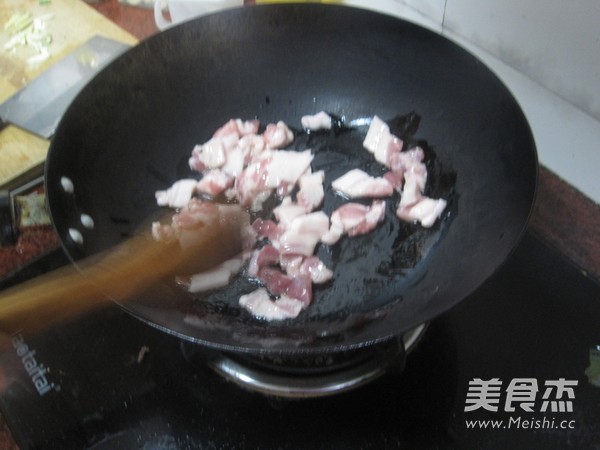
[(295, 385)]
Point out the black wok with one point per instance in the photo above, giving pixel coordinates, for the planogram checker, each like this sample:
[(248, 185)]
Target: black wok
[(131, 130)]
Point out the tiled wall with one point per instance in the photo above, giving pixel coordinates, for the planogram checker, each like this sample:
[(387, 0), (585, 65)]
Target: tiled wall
[(555, 42), (548, 53)]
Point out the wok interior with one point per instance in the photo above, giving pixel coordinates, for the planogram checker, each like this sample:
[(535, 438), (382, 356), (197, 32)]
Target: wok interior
[(131, 130)]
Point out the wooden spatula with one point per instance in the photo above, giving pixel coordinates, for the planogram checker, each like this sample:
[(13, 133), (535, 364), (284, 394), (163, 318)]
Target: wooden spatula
[(118, 274)]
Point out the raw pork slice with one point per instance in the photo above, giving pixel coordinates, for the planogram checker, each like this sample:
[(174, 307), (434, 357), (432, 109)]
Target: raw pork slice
[(319, 121), (214, 278), (356, 184), (286, 167), (317, 270), (354, 219), (259, 304), (304, 233), (277, 135), (426, 211), (178, 195), (287, 211), (311, 192), (381, 142), (214, 182)]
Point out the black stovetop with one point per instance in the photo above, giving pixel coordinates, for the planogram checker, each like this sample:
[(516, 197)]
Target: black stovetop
[(109, 381)]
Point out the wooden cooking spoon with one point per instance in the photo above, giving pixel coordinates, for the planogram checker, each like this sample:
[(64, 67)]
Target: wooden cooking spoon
[(118, 274)]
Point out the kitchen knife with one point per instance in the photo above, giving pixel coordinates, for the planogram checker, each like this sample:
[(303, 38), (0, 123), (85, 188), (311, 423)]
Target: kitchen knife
[(39, 106)]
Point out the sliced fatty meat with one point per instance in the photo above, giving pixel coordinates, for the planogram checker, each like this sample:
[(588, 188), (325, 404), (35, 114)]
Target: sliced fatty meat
[(178, 195), (358, 184), (304, 233), (214, 278), (260, 305), (278, 135), (381, 142), (425, 211), (355, 219), (250, 168), (311, 193), (286, 166), (214, 182), (319, 121)]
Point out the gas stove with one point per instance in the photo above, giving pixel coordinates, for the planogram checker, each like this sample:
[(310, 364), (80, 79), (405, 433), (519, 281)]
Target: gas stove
[(517, 364)]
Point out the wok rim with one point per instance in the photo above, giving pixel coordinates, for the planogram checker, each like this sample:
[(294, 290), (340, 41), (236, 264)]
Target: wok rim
[(347, 344)]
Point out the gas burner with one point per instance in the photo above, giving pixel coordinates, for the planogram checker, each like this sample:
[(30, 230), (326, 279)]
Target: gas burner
[(309, 376)]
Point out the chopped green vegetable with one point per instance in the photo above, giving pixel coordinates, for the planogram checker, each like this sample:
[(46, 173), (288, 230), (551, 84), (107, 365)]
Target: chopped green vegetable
[(29, 31), (18, 22)]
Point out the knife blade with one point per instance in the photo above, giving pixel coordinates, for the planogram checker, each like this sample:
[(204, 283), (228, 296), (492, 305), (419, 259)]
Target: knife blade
[(40, 105)]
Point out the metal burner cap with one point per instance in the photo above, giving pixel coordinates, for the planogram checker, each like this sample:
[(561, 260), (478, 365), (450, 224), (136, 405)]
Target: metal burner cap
[(335, 377)]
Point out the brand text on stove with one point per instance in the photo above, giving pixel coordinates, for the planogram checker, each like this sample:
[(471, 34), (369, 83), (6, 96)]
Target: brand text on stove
[(36, 371)]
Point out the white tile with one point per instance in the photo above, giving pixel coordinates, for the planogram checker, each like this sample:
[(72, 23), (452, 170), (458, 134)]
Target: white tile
[(567, 138), (544, 60), (555, 42), (432, 9)]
